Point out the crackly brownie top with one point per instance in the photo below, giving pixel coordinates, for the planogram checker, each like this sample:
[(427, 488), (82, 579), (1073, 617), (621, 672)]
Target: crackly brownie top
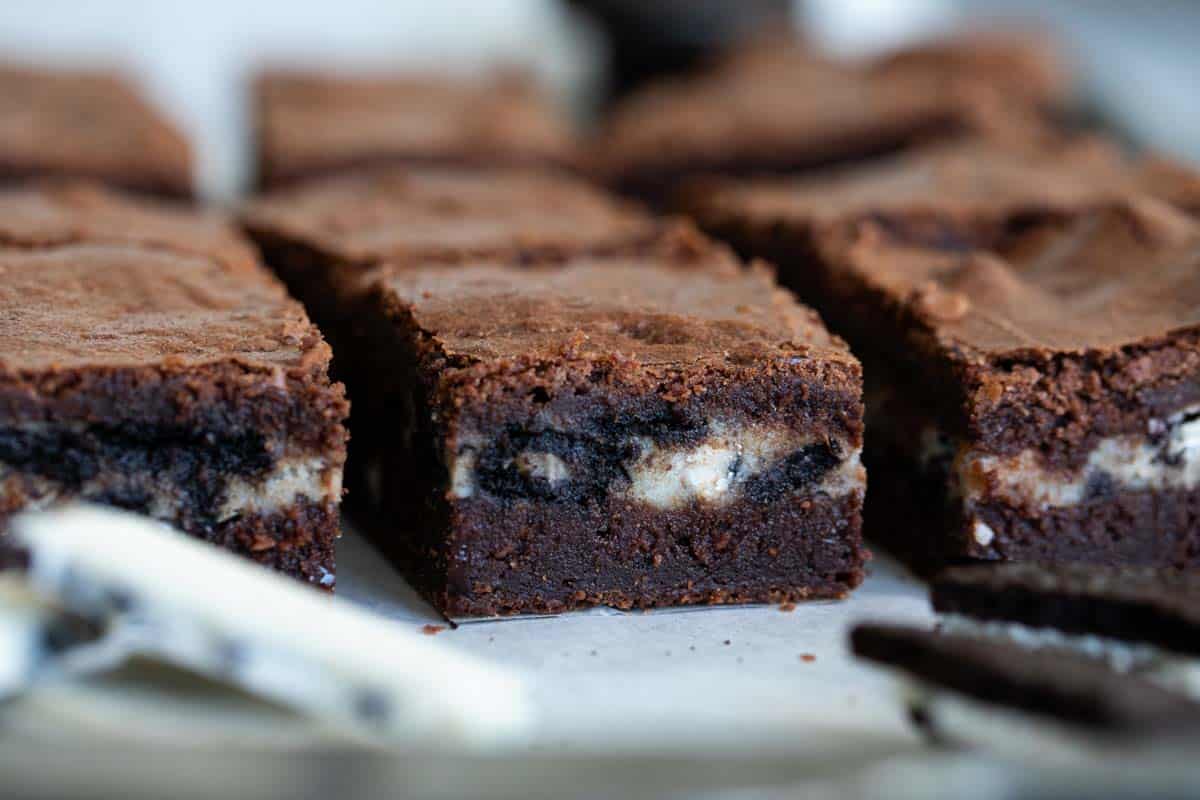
[(1095, 281), (698, 307), (91, 279), (311, 122), (767, 109), (87, 122), (968, 183), (442, 214)]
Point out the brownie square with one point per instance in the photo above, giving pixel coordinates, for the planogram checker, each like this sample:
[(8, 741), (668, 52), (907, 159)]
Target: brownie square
[(631, 431), (323, 235), (88, 124), (148, 362), (782, 109), (320, 123), (1030, 335)]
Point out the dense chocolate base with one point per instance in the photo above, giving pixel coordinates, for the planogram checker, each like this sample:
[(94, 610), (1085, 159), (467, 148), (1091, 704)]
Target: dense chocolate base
[(297, 541), (509, 557)]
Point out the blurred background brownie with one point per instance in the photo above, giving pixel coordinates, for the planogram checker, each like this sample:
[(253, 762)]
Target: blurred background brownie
[(321, 123), (88, 124), (781, 107)]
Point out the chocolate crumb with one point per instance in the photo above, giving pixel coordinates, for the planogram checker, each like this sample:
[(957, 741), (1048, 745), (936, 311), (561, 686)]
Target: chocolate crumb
[(807, 658), (725, 642), (432, 630)]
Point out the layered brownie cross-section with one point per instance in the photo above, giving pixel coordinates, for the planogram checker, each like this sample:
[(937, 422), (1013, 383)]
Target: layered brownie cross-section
[(88, 124), (1031, 343), (312, 124), (637, 431), (147, 361)]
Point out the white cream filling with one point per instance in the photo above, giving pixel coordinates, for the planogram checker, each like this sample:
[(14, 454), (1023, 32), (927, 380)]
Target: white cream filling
[(1166, 457), (309, 478), (712, 471), (547, 466)]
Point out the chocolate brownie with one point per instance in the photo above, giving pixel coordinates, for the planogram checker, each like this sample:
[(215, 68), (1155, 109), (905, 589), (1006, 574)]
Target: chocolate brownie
[(784, 110), (1131, 604), (1023, 63), (1053, 685), (148, 361), (323, 234), (312, 124), (643, 430), (88, 124), (1031, 343)]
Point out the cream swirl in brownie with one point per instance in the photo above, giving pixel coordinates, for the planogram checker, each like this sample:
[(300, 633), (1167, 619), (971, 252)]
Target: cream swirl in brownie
[(150, 363), (634, 431)]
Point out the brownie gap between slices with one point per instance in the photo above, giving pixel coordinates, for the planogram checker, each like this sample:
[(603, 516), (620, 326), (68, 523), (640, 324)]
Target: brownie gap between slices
[(1030, 329), (149, 362), (635, 431)]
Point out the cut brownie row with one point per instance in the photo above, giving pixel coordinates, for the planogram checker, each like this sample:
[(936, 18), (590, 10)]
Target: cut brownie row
[(147, 361), (88, 124), (1031, 338), (782, 108), (560, 402)]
